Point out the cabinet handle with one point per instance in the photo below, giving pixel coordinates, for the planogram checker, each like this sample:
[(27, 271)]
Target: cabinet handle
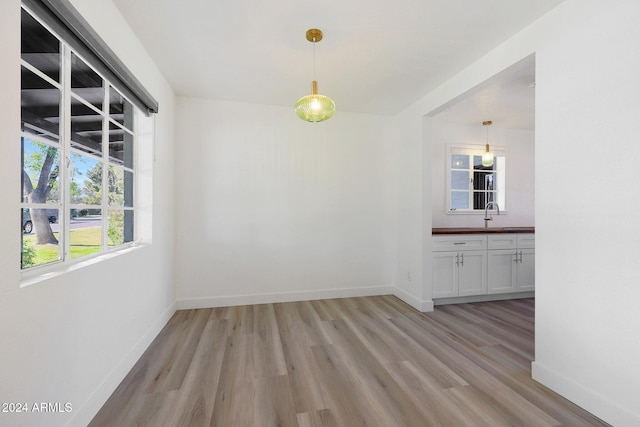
[(515, 257), (457, 259), (459, 243), (462, 260), (520, 257)]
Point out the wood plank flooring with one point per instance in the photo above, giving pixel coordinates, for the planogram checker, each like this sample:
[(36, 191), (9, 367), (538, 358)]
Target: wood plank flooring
[(371, 361)]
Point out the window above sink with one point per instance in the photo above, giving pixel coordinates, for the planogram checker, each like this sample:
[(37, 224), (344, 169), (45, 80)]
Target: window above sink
[(470, 185)]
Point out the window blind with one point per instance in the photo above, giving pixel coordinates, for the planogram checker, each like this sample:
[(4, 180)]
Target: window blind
[(67, 22)]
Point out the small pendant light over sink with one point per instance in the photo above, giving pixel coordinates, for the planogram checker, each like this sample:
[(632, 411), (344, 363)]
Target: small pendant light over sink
[(315, 107), (487, 156)]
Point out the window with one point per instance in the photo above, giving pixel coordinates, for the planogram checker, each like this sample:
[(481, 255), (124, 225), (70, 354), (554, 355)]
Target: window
[(470, 185), (78, 153)]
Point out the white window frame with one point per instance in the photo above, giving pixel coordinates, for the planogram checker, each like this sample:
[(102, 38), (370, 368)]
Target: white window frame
[(65, 149), (501, 175)]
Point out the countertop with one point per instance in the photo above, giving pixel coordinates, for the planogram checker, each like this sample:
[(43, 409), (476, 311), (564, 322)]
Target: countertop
[(482, 230)]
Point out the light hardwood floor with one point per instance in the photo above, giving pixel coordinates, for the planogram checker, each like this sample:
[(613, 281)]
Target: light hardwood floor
[(371, 361)]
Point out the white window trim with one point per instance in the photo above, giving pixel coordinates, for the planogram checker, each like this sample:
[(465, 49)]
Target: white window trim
[(454, 148), (66, 264), (50, 271)]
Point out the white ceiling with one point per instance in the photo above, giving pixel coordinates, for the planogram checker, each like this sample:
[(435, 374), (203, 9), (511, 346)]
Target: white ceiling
[(507, 99), (377, 57)]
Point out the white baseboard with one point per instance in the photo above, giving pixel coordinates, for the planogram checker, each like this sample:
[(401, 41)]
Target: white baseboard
[(483, 298), (234, 300), (586, 398), (86, 413), (418, 304)]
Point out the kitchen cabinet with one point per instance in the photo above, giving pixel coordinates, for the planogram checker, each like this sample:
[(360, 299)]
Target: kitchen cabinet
[(510, 263), (482, 263), (459, 265)]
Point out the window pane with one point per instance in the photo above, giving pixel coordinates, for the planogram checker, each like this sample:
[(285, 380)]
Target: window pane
[(86, 83), (27, 223), (85, 235), (40, 103), (459, 161), (85, 176), (86, 128), (459, 200), (128, 189), (40, 48), (459, 180), (483, 181), (120, 146), (120, 109), (50, 214), (477, 162), (40, 166), (120, 227), (489, 182), (120, 187), (40, 237), (45, 213), (481, 198)]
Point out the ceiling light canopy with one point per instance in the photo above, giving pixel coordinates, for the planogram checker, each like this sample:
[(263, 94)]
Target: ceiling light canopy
[(315, 107)]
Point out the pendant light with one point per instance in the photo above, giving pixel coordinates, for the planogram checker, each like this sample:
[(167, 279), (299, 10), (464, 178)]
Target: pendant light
[(487, 156), (315, 107)]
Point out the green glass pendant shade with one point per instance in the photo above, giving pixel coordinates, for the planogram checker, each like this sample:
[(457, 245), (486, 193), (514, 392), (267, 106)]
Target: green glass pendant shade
[(487, 157), (315, 107)]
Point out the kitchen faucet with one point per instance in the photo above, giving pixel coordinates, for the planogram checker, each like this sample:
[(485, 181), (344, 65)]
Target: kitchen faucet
[(486, 211)]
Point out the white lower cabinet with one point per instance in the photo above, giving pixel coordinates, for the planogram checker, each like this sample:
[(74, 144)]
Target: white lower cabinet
[(480, 264), (459, 272), (525, 271), (473, 266), (511, 264)]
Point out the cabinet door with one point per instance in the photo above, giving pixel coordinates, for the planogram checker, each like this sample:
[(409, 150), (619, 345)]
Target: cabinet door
[(525, 275), (472, 273), (445, 274), (502, 265)]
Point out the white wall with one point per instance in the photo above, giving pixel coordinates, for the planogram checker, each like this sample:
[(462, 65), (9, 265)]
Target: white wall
[(411, 180), (519, 146), (587, 123), (271, 208), (72, 338)]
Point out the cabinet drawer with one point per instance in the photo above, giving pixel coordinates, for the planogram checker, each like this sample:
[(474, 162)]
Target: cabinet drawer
[(461, 242), (527, 241), (502, 241)]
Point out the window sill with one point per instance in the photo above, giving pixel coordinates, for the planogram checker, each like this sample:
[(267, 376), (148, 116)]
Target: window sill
[(56, 270), (475, 212)]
